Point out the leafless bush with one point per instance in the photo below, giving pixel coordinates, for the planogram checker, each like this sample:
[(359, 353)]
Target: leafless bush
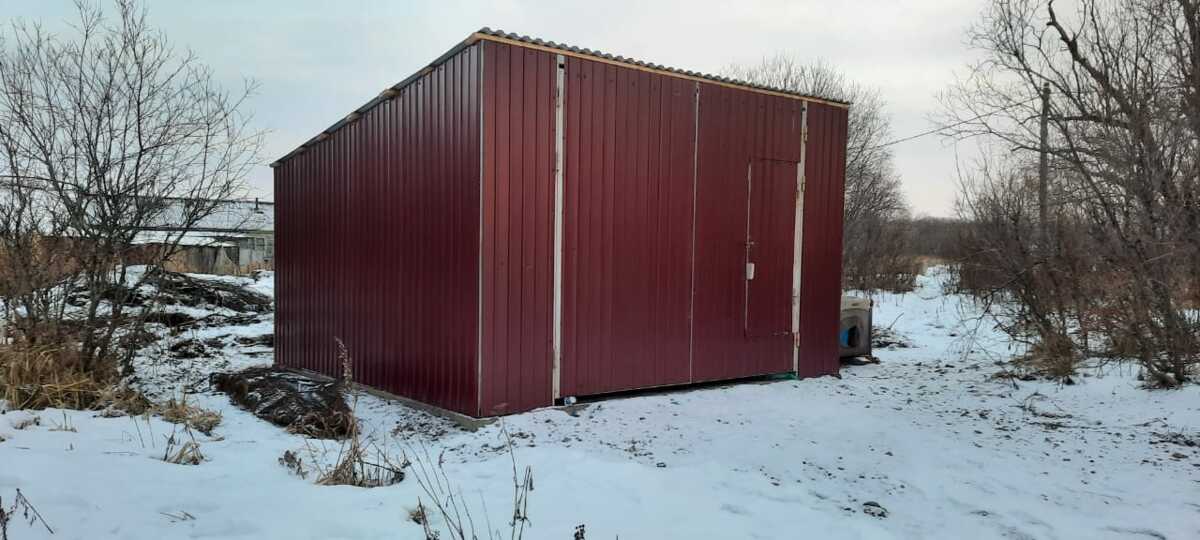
[(1108, 267), (454, 510), (20, 506), (102, 135), (359, 462), (936, 240), (876, 253), (1039, 295), (876, 213)]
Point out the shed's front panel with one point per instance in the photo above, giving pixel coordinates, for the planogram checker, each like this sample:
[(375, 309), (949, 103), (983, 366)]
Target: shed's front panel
[(739, 129), (679, 230)]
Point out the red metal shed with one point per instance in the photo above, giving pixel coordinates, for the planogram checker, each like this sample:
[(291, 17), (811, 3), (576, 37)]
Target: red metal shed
[(523, 221)]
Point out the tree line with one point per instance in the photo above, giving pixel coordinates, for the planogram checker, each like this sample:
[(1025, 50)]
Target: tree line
[(1096, 250), (105, 132)]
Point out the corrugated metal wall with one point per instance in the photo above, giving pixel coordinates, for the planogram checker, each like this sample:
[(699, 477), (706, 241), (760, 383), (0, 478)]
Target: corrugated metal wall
[(518, 184), (770, 233), (736, 128), (378, 243), (423, 234), (821, 254), (628, 179)]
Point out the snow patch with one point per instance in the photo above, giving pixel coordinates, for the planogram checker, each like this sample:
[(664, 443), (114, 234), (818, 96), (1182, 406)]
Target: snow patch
[(929, 437)]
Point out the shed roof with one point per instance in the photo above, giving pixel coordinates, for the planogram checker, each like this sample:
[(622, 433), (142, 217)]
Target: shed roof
[(521, 40)]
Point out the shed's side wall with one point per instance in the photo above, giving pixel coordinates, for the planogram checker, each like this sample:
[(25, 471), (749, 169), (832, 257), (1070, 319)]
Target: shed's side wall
[(736, 128), (629, 174), (518, 185), (378, 243), (821, 254)]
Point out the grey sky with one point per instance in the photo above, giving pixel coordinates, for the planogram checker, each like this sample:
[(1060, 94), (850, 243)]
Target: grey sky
[(316, 61)]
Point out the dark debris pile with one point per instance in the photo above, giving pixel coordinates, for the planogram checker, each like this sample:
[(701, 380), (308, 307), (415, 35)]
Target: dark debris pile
[(180, 289), (300, 404)]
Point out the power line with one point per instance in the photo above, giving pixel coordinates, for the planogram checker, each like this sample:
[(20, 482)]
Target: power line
[(1000, 110), (939, 129)]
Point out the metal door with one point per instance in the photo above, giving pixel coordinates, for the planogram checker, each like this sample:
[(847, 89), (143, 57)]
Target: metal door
[(770, 242)]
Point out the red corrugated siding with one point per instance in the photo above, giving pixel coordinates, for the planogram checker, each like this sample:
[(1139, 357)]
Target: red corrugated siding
[(378, 243), (627, 228), (518, 184), (736, 128), (439, 275), (821, 253)]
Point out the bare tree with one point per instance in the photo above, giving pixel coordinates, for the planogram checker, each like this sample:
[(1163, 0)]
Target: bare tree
[(876, 213), (1124, 145), (103, 135)]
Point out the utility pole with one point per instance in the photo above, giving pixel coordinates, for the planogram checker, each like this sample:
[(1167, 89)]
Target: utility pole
[(1044, 169)]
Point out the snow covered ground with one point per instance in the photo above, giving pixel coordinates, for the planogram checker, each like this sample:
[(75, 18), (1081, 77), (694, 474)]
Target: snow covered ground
[(928, 434)]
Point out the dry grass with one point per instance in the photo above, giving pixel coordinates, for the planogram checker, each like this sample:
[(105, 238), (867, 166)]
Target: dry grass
[(417, 515), (183, 452), (361, 465), (179, 411), (358, 462), (188, 454), (66, 424), (40, 377), (450, 505)]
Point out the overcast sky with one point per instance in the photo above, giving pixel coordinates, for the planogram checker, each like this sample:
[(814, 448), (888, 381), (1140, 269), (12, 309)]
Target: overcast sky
[(316, 61)]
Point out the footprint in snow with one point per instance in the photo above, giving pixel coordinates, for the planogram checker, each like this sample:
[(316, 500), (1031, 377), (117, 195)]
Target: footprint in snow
[(735, 509)]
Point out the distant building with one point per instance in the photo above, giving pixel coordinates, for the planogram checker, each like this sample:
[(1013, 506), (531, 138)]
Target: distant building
[(237, 238)]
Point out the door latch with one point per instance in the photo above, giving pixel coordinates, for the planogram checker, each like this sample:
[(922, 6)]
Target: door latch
[(749, 271)]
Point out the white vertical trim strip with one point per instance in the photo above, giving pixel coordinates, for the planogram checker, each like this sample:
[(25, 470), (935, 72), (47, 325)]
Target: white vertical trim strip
[(559, 149), (798, 243), (746, 248)]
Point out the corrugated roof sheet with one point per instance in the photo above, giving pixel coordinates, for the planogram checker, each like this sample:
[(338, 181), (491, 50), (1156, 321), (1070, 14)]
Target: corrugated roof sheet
[(500, 35), (583, 51)]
